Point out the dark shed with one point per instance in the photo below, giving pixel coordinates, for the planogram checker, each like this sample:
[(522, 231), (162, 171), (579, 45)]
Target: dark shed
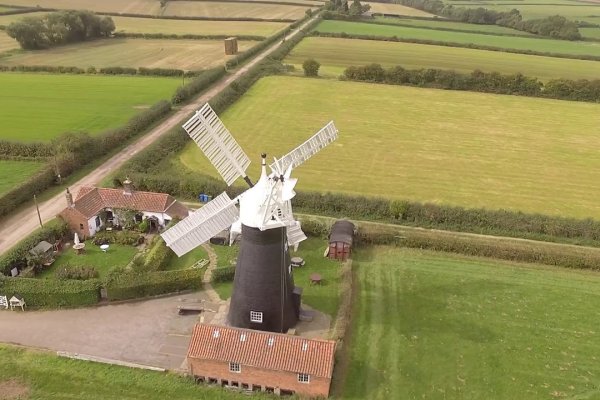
[(340, 240)]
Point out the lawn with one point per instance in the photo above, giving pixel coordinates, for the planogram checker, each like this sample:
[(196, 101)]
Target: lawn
[(148, 7), (73, 102), (47, 376), (397, 9), (182, 27), (13, 173), (126, 52), (234, 10), (335, 55), (451, 147), (450, 25), (324, 297), (503, 42), (187, 260), (116, 256), (429, 325)]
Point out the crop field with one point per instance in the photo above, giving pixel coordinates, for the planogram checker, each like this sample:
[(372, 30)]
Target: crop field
[(310, 3), (431, 325), (397, 9), (577, 11), (504, 42), (7, 43), (5, 20), (234, 10), (62, 103), (148, 7), (182, 27), (126, 52), (335, 55), (13, 173), (449, 147), (440, 23)]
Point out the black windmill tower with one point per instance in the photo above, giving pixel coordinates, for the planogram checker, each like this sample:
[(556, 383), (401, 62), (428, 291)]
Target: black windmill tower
[(264, 296)]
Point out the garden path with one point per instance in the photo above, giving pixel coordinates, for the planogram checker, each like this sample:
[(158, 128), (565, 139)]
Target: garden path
[(207, 279)]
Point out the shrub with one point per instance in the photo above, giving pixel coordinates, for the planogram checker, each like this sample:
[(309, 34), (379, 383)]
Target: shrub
[(134, 285), (158, 257), (311, 67), (81, 273), (52, 293), (225, 274)]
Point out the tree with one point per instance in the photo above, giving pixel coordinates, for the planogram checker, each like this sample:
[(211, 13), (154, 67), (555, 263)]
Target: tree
[(357, 9), (311, 67)]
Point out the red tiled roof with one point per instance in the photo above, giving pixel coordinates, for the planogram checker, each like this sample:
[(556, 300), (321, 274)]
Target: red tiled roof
[(92, 200), (287, 353)]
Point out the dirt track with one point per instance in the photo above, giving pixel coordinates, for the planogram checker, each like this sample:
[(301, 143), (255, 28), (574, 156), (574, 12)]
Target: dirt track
[(20, 225)]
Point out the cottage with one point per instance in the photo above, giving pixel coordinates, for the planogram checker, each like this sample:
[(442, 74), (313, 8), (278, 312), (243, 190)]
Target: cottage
[(83, 215), (340, 240), (261, 361)]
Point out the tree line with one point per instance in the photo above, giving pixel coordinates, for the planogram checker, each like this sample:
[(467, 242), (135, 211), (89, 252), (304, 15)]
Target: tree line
[(356, 9), (478, 81), (58, 28)]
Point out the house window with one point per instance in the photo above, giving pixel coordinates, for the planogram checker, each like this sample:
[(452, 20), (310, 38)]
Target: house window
[(235, 367), (81, 226), (97, 221), (256, 316), (303, 378)]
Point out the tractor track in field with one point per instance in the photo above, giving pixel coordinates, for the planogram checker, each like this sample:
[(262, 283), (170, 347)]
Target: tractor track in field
[(22, 223)]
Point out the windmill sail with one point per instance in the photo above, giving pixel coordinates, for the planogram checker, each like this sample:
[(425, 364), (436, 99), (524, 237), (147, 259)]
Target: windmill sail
[(213, 138), (201, 225), (306, 150)]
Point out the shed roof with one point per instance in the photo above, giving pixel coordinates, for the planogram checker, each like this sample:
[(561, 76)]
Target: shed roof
[(41, 248), (267, 350), (342, 231)]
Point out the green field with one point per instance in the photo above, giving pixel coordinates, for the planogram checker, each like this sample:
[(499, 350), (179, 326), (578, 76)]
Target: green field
[(451, 147), (428, 325), (234, 10), (577, 11), (450, 25), (593, 33), (182, 27), (150, 53), (335, 55), (504, 42), (13, 173), (44, 376), (38, 107), (397, 9)]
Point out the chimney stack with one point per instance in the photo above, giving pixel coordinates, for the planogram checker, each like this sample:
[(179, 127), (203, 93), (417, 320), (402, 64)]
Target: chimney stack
[(69, 197), (127, 186)]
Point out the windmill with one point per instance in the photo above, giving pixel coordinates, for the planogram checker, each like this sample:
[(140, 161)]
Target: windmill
[(264, 296)]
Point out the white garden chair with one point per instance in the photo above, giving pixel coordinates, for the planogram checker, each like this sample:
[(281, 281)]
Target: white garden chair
[(16, 302), (4, 302)]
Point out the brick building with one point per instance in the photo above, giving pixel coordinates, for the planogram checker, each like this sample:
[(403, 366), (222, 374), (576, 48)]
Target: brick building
[(261, 361)]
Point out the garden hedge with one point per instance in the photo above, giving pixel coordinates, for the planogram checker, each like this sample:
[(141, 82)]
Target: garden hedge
[(51, 293), (225, 274), (133, 285)]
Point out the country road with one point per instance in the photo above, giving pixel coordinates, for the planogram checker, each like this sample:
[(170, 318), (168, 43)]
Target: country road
[(16, 227)]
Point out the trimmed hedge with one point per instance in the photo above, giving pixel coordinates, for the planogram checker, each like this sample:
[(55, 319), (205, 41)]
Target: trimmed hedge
[(18, 254), (184, 36), (225, 274), (197, 85), (133, 286), (52, 293), (106, 71), (158, 257)]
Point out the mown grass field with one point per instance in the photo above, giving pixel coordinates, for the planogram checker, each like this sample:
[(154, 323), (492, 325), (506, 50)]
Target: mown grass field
[(397, 9), (38, 107), (148, 7), (182, 27), (440, 23), (335, 55), (234, 10), (572, 11), (13, 173), (590, 32), (7, 43), (429, 325), (150, 53), (503, 42), (45, 376), (450, 147)]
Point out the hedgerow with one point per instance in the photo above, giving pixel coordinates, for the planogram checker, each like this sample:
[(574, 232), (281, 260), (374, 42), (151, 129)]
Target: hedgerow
[(52, 293), (133, 285)]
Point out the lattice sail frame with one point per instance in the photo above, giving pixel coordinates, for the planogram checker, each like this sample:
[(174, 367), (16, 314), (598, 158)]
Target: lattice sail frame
[(204, 223), (215, 140)]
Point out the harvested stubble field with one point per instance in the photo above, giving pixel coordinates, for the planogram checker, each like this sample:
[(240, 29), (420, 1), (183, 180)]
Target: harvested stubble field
[(234, 10), (5, 20), (13, 173), (38, 107), (444, 24), (397, 9), (450, 147), (147, 7), (7, 43), (183, 27), (432, 325), (503, 42), (126, 52), (336, 54)]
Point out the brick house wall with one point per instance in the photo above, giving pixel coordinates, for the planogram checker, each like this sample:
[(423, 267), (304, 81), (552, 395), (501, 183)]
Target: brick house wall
[(75, 219), (258, 377)]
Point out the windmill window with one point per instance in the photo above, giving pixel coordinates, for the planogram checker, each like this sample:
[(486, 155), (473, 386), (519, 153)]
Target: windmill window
[(304, 378), (256, 316), (235, 367)]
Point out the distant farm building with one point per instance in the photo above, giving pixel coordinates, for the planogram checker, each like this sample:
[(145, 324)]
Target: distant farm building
[(340, 240), (261, 361), (83, 215)]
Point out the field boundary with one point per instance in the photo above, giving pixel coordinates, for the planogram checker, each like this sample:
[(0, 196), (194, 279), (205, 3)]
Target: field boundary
[(281, 3)]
